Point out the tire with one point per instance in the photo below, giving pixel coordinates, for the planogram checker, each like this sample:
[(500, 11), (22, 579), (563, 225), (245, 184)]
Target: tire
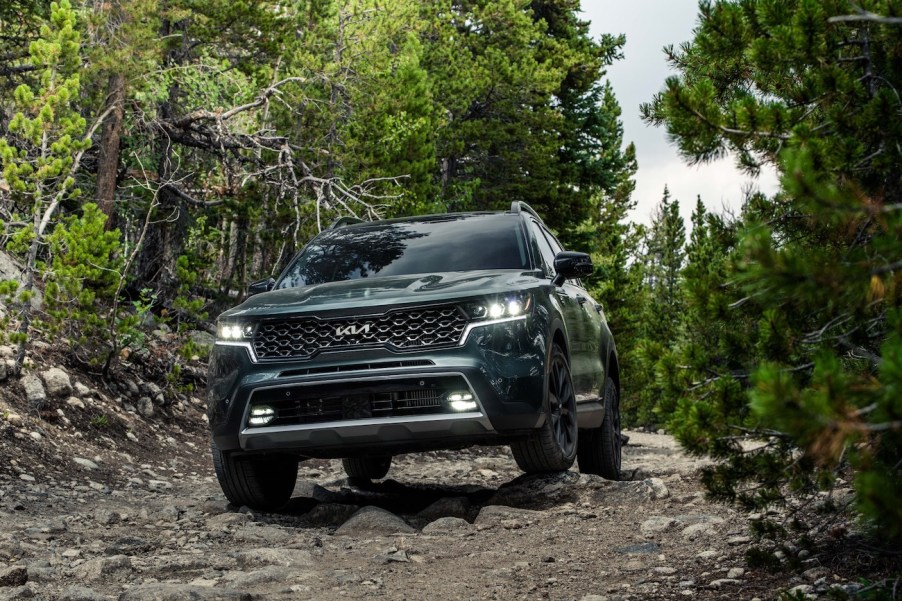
[(600, 448), (263, 482), (553, 447), (371, 467)]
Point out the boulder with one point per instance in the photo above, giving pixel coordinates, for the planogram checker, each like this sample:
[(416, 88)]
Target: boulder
[(57, 382), (34, 390), (372, 520)]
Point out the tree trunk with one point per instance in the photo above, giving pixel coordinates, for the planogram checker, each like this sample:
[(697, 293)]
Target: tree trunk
[(108, 158)]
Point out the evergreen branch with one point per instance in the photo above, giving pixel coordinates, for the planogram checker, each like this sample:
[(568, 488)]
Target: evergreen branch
[(891, 267), (866, 16), (739, 132)]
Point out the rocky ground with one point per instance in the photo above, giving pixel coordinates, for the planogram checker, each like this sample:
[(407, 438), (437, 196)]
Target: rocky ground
[(107, 492)]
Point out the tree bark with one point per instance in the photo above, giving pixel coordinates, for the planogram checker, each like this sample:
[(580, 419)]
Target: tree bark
[(108, 158)]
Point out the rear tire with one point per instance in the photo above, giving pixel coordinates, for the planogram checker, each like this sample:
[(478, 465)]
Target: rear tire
[(367, 468), (263, 482), (553, 447), (600, 448)]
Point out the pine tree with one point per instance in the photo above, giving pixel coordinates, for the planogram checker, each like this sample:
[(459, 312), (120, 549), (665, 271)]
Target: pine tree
[(811, 89), (41, 152), (660, 315)]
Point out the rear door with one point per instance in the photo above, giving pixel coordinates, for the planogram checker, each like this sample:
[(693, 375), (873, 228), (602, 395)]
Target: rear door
[(585, 335)]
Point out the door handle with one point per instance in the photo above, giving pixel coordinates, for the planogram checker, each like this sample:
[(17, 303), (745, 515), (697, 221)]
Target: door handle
[(598, 307), (581, 299)]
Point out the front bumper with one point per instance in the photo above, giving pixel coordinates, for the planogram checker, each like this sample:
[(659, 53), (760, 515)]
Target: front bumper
[(502, 365)]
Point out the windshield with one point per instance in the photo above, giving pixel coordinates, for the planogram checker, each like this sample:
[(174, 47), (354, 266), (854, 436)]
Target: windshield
[(434, 245)]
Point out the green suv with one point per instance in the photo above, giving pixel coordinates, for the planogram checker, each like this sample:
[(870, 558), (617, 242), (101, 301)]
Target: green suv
[(414, 334)]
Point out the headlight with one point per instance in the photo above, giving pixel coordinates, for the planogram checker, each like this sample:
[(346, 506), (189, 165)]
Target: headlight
[(500, 307), (232, 331)]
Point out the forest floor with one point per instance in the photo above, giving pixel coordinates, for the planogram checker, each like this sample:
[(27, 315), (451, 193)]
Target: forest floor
[(98, 502)]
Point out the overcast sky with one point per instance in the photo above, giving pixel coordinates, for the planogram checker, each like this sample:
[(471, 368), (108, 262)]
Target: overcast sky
[(650, 25)]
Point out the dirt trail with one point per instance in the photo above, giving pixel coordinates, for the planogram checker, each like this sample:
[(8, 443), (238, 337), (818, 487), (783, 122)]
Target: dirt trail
[(148, 522), (108, 493)]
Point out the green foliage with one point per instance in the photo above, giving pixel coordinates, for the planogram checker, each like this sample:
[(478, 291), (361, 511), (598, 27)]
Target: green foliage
[(792, 329), (100, 421), (647, 353), (81, 279)]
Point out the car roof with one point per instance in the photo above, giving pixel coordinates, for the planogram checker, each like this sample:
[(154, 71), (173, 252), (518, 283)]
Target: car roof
[(516, 209)]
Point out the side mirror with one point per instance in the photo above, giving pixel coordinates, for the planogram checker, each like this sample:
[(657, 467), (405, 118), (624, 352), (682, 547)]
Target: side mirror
[(261, 286), (569, 264)]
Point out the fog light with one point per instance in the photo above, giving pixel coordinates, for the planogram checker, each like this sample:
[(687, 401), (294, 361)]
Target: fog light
[(261, 415), (462, 401)]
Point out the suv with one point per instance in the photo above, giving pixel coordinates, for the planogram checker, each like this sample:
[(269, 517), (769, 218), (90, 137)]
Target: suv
[(414, 334)]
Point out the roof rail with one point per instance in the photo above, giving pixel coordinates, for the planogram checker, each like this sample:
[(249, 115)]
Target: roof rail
[(343, 221), (518, 206)]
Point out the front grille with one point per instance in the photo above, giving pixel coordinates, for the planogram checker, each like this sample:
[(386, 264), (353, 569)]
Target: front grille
[(402, 329), (332, 402)]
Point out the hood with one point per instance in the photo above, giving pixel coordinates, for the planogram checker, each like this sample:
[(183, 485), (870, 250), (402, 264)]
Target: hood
[(381, 293)]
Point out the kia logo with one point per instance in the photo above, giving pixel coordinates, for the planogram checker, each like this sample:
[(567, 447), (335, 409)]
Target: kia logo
[(352, 330)]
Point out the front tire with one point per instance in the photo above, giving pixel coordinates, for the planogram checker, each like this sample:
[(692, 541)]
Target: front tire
[(600, 449), (263, 482), (371, 467), (553, 447)]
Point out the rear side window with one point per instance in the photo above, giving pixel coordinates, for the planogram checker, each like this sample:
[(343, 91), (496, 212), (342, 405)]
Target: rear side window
[(544, 247)]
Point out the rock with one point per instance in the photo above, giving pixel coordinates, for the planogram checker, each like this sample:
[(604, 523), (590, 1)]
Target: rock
[(4, 372), (105, 517), (699, 531), (656, 524), (76, 402), (721, 582), (374, 521), (803, 589), (535, 489), (657, 487), (735, 573), (57, 382), (640, 549), (445, 525), (78, 593), (26, 591), (155, 393), (145, 407), (14, 576), (271, 556), (103, 568), (491, 515), (202, 340), (664, 570), (814, 574), (267, 575), (159, 591), (82, 390), (594, 598), (399, 556), (11, 270), (34, 390), (227, 519), (738, 540), (269, 535), (331, 514), (127, 545), (457, 507), (85, 463)]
